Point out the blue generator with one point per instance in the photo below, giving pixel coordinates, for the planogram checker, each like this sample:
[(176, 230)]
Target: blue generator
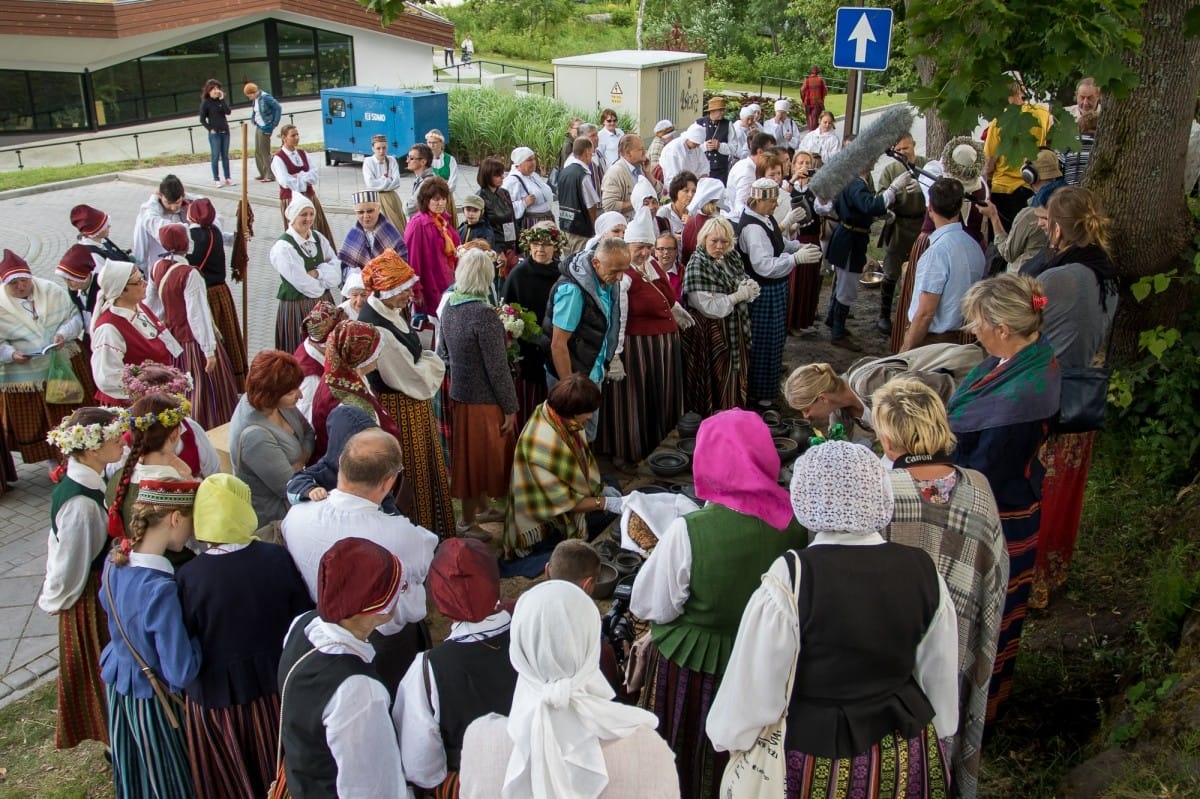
[(353, 114)]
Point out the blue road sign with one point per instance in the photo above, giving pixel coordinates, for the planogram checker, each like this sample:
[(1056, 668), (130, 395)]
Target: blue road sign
[(862, 38)]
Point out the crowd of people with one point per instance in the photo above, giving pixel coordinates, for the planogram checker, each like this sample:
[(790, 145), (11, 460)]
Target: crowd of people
[(228, 634)]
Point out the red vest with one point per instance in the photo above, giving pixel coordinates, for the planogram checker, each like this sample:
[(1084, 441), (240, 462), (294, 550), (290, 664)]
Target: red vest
[(292, 169), (650, 306), (309, 365), (138, 348), (170, 291)]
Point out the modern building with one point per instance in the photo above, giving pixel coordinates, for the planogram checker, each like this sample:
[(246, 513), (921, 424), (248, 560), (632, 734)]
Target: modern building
[(68, 64)]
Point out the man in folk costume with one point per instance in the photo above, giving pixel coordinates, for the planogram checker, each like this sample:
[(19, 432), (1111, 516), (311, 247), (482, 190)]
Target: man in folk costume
[(297, 175), (76, 268), (718, 138), (36, 316), (368, 469), (812, 94), (405, 383), (319, 323), (93, 226), (371, 235), (465, 677), (381, 173), (335, 733), (684, 154), (783, 127), (207, 254)]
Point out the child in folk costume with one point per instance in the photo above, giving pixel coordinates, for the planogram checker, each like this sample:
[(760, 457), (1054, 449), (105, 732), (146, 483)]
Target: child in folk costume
[(308, 268), (239, 598), (77, 546), (150, 655), (208, 255), (194, 448), (188, 317), (319, 323)]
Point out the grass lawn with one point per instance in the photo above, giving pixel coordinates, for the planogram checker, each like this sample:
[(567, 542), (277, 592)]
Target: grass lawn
[(30, 766)]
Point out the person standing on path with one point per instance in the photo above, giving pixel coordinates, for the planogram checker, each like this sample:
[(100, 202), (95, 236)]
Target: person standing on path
[(812, 94), (214, 116), (297, 175), (265, 113)]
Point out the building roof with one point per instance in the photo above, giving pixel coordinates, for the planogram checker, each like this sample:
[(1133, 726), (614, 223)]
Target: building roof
[(118, 19), (635, 59)]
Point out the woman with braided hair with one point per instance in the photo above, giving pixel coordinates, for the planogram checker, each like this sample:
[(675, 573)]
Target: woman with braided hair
[(150, 655)]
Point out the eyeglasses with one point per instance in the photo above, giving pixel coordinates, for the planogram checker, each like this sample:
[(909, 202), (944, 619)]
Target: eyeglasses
[(665, 249), (412, 158)]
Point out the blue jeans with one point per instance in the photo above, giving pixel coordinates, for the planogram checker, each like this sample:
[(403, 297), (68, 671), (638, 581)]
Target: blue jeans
[(218, 146)]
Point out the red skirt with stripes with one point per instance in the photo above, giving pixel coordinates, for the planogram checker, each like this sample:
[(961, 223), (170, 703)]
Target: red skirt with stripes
[(914, 768), (215, 395), (82, 636), (1021, 534), (27, 419), (231, 750), (225, 319)]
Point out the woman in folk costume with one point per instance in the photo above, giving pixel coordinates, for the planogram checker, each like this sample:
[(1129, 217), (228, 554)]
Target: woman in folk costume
[(371, 235), (36, 316), (193, 448), (696, 582), (208, 255), (351, 353), (638, 412), (311, 353), (150, 656), (564, 736), (308, 268), (77, 546), (125, 332), (382, 175), (408, 378), (77, 268), (297, 177), (868, 629), (187, 315), (238, 598), (444, 165), (529, 285)]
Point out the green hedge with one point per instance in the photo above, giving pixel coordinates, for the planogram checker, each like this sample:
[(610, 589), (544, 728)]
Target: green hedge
[(484, 122)]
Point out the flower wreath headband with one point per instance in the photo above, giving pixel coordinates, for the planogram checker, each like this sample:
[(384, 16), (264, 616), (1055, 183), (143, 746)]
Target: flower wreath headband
[(90, 437), (171, 417), (131, 378), (541, 235)]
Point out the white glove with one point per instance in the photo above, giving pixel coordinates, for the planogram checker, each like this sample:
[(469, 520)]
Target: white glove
[(616, 370), (747, 291), (795, 218), (755, 289), (614, 504), (902, 182), (807, 254), (682, 317)]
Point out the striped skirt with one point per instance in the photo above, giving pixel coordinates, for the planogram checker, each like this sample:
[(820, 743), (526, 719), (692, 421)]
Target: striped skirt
[(1021, 534), (8, 467), (768, 333), (637, 413), (804, 292), (82, 636), (27, 418), (913, 768), (225, 319), (1067, 458), (481, 458), (424, 467), (149, 757), (681, 698), (530, 394), (710, 383), (232, 749), (289, 321), (393, 208), (213, 396)]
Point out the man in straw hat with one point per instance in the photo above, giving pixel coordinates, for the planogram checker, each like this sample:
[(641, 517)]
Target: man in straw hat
[(718, 138)]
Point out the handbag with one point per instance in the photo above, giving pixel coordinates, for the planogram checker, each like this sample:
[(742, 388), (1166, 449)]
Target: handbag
[(760, 772), (1084, 401), (62, 386)]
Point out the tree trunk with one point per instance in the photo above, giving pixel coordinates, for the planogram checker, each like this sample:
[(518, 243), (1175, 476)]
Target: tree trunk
[(641, 17)]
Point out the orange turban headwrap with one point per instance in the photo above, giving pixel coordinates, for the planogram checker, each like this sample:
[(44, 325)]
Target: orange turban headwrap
[(388, 274)]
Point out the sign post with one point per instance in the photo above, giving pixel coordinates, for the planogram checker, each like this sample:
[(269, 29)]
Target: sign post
[(862, 41)]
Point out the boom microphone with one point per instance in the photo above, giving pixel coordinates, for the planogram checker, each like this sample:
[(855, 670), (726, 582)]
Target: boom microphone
[(861, 154)]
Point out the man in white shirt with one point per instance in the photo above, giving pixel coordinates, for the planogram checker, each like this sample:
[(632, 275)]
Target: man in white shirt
[(367, 471), (744, 173), (610, 136), (785, 130), (684, 155)]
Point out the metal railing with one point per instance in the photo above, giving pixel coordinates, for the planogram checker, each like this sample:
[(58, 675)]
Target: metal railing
[(835, 85), (544, 79), (79, 142)]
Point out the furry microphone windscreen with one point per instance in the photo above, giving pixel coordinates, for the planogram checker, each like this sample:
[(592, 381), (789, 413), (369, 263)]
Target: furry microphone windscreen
[(861, 154)]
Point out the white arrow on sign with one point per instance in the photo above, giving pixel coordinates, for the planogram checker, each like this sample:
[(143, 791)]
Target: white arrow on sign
[(861, 36)]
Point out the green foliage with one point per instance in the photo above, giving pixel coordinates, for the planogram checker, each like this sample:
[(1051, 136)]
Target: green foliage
[(1143, 698), (1174, 586), (972, 43), (542, 30)]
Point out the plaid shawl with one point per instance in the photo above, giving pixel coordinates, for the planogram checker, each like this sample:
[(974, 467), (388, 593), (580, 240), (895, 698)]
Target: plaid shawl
[(1025, 388), (967, 545), (704, 273), (355, 252), (553, 469)]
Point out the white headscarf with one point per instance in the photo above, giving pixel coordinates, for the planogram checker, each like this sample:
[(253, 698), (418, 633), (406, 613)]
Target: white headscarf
[(113, 277), (562, 707), (642, 229), (299, 203), (642, 190), (841, 487), (707, 190), (605, 223)]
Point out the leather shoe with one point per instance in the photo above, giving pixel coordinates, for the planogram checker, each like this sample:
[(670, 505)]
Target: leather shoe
[(884, 326)]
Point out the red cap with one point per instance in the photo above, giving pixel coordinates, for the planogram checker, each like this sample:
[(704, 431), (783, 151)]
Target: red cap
[(464, 580), (76, 264), (201, 212), (357, 577), (88, 220), (174, 238), (12, 267)]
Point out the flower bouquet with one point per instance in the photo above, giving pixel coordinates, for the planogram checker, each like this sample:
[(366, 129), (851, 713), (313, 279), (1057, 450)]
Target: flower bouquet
[(519, 325)]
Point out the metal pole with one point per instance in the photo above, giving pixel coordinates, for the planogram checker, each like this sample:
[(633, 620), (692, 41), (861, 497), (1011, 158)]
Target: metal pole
[(79, 147), (137, 147), (858, 97)]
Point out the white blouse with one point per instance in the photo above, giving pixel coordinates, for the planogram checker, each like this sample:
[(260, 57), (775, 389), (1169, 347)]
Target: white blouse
[(290, 265)]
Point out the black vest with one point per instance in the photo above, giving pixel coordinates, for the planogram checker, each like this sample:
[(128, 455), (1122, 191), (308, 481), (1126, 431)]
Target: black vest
[(410, 340), (718, 162), (573, 216), (863, 611), (776, 237), (208, 253), (585, 343), (311, 769), (473, 679)]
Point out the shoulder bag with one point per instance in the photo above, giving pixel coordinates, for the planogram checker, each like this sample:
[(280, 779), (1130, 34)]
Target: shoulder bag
[(760, 772), (1084, 401)]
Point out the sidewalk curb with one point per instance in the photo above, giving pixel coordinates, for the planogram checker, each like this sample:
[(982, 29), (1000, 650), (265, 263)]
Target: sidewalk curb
[(73, 183), (49, 676)]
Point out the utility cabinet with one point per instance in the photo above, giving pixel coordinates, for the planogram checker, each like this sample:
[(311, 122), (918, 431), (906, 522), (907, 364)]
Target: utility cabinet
[(646, 84), (353, 114)]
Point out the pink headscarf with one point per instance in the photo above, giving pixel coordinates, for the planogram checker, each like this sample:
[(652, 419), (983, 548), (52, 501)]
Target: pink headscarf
[(736, 465)]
